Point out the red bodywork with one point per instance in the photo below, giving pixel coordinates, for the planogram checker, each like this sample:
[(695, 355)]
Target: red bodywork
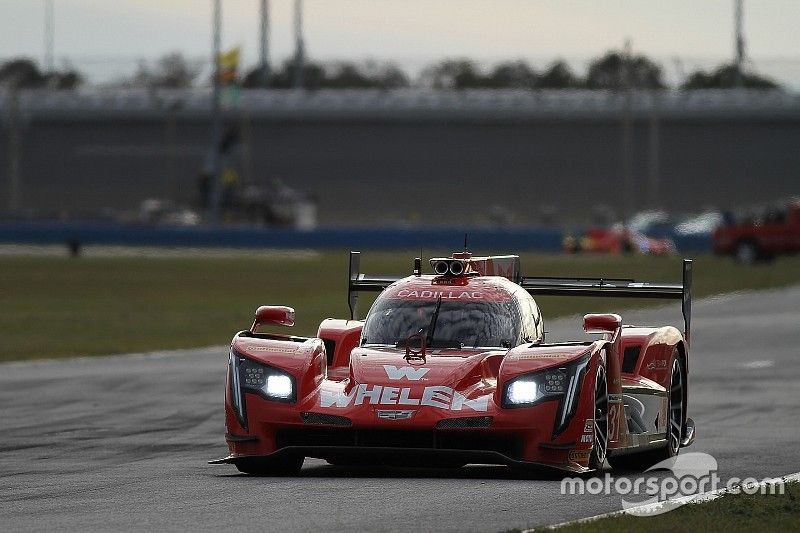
[(769, 237), (384, 404)]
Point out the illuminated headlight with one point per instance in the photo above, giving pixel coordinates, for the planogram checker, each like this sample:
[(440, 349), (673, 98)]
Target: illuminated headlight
[(265, 380), (279, 386), (246, 375), (561, 384), (529, 389), (523, 391)]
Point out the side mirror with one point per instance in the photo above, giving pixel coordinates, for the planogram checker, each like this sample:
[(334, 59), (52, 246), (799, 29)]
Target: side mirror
[(276, 315), (602, 323)]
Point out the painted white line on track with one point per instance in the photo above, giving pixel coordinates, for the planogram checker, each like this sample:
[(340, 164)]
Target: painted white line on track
[(674, 503), (756, 365)]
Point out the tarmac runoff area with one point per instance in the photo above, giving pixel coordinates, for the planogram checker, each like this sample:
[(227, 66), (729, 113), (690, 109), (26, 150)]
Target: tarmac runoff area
[(121, 443)]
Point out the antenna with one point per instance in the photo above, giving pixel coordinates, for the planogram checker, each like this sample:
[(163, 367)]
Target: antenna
[(466, 236)]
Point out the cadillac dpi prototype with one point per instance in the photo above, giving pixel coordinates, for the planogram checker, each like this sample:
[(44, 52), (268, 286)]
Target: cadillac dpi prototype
[(452, 368)]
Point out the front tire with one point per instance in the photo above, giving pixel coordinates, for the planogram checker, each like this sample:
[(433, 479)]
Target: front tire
[(269, 466)]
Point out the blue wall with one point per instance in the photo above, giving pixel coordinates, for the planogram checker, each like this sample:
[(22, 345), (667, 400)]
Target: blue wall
[(89, 233)]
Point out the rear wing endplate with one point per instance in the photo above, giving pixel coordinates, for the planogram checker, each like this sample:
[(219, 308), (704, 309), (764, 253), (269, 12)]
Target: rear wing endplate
[(619, 288), (358, 282)]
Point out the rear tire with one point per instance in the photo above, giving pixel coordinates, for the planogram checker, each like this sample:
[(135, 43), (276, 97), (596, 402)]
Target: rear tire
[(676, 413), (746, 253), (283, 466)]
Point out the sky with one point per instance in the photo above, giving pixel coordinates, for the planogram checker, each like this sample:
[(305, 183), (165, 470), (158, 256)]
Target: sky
[(106, 38)]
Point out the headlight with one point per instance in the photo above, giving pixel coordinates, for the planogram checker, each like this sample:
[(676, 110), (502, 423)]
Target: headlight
[(246, 375), (523, 391), (279, 386), (562, 384), (265, 381), (531, 388)]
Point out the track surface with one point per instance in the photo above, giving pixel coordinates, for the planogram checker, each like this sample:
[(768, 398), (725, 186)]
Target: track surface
[(122, 442)]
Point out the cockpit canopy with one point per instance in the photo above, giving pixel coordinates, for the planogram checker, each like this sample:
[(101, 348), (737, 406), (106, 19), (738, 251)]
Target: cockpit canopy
[(456, 323)]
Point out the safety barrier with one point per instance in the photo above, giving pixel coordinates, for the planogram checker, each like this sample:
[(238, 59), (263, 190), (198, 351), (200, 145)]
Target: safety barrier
[(483, 239)]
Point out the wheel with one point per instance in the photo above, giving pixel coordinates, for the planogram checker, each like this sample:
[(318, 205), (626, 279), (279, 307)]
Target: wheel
[(281, 466), (676, 411), (746, 253), (600, 446)]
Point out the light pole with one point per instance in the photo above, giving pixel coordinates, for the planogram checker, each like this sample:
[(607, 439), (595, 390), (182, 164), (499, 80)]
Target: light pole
[(15, 159), (264, 45), (627, 134), (739, 43), (49, 30), (299, 54), (216, 119)]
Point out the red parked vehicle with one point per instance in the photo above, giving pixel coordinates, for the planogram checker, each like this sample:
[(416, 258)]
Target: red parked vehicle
[(777, 232), (452, 368)]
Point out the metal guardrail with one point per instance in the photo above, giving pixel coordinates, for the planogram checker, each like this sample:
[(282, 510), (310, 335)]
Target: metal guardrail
[(397, 102)]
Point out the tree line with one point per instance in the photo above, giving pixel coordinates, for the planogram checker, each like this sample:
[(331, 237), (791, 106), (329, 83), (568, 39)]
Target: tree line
[(614, 70)]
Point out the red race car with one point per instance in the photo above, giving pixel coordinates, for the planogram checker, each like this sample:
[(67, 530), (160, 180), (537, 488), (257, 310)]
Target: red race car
[(618, 239), (452, 368)]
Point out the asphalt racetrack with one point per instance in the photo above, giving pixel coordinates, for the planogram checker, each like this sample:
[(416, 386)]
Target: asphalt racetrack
[(121, 443)]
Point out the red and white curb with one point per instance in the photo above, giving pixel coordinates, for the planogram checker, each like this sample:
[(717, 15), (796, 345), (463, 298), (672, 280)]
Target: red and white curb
[(674, 503)]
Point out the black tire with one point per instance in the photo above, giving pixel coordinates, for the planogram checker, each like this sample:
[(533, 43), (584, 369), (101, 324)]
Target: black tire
[(676, 412), (283, 466), (746, 253), (600, 440)]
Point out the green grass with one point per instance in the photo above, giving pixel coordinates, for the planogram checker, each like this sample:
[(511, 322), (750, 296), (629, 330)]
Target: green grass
[(731, 512), (55, 307)]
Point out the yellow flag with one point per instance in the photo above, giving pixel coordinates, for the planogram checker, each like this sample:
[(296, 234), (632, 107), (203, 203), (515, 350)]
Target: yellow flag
[(229, 60)]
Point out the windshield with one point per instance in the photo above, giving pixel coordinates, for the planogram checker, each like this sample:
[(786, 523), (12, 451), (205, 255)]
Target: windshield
[(459, 323)]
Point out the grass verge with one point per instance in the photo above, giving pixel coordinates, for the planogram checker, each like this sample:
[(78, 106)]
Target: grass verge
[(730, 512), (55, 307)]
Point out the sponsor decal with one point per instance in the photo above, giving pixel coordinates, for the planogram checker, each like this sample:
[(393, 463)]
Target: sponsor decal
[(588, 426), (657, 364), (614, 414), (275, 349), (408, 372), (579, 456), (449, 281), (587, 438), (662, 415), (538, 356), (436, 396), (395, 415), (445, 295)]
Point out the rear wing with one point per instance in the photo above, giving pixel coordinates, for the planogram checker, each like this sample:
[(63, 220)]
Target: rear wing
[(547, 286), (619, 288), (358, 282)]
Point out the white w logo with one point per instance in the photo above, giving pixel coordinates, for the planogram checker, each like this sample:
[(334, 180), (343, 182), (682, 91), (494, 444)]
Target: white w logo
[(410, 373)]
